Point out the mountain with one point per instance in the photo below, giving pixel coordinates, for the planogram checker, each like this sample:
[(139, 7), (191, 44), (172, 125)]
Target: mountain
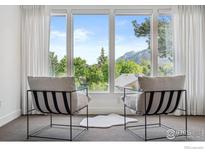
[(136, 56)]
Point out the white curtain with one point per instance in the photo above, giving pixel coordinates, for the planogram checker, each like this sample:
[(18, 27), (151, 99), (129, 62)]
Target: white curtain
[(34, 45), (190, 54)]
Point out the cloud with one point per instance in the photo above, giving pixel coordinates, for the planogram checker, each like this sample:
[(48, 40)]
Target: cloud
[(57, 34), (60, 50), (81, 35), (119, 38), (121, 22)]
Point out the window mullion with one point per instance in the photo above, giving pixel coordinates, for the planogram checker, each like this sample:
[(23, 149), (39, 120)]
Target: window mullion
[(154, 34), (69, 43), (112, 51)]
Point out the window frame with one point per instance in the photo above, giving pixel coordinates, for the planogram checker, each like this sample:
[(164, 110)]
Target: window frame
[(169, 12), (59, 12), (147, 12), (112, 11), (91, 12)]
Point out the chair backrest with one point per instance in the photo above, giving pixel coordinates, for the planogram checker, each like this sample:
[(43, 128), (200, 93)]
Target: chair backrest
[(127, 80), (162, 94), (50, 96)]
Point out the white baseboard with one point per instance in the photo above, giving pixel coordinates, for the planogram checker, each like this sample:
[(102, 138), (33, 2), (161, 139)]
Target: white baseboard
[(9, 117)]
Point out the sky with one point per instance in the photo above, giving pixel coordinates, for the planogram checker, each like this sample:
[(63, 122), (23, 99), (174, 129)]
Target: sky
[(91, 33)]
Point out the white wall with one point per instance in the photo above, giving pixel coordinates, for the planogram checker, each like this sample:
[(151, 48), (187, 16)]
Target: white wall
[(9, 63)]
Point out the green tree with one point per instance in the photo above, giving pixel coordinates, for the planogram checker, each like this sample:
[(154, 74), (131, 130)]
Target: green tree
[(166, 69), (103, 64), (53, 63), (105, 71), (164, 35), (80, 69), (57, 68), (142, 30), (146, 67), (164, 38), (102, 59), (95, 74), (62, 67), (127, 67)]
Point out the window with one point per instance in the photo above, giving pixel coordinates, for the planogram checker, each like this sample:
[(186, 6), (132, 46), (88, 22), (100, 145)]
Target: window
[(132, 45), (141, 44), (165, 47), (91, 51), (57, 48)]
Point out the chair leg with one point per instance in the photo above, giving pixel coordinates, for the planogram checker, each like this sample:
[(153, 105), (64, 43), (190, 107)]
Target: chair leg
[(27, 116), (87, 116), (124, 117), (159, 120), (145, 127), (71, 137), (186, 125), (71, 127), (145, 116), (51, 120), (186, 113), (27, 126)]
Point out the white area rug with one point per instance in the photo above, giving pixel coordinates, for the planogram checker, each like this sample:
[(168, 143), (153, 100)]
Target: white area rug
[(106, 121)]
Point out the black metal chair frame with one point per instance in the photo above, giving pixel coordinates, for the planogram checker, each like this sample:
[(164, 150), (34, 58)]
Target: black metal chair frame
[(147, 125), (70, 126)]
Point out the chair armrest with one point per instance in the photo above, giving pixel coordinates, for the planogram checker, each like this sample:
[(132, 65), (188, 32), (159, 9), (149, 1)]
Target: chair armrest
[(84, 84), (130, 89), (81, 89)]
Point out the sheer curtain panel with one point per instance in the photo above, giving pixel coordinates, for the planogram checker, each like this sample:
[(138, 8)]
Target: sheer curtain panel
[(190, 54), (34, 45)]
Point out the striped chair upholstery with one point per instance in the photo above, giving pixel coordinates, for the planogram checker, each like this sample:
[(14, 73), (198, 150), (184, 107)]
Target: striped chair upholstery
[(162, 95), (50, 96)]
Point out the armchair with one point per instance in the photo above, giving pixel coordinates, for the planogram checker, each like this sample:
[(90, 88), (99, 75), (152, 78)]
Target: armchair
[(157, 96), (53, 95)]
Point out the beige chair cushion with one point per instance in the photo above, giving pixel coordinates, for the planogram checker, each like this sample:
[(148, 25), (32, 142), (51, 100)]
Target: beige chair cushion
[(79, 99), (155, 84), (162, 83), (127, 80)]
